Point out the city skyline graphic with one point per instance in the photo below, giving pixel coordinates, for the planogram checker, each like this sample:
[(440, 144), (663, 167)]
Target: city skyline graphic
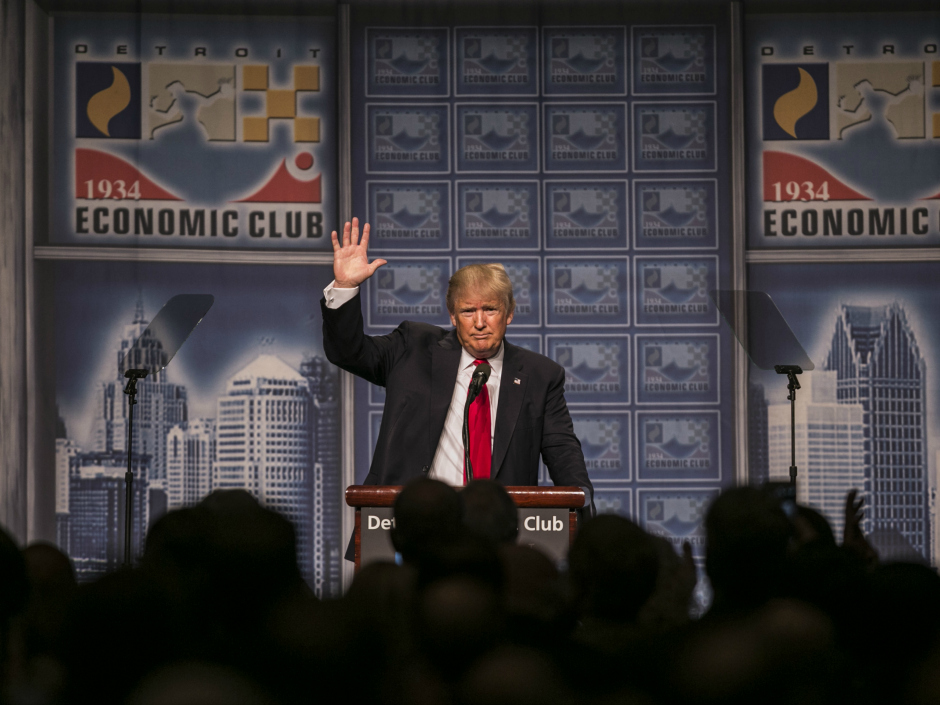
[(862, 422), (266, 422)]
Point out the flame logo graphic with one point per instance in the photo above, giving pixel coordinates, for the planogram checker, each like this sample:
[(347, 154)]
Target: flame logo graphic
[(111, 101), (791, 106)]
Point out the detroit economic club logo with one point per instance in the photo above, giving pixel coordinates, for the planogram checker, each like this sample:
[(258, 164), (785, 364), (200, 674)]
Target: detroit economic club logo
[(678, 445), (822, 125), (677, 369), (605, 441), (584, 61), (587, 292), (596, 367), (409, 289), (409, 216), (676, 214), (132, 117), (408, 139), (674, 290), (586, 215), (496, 61)]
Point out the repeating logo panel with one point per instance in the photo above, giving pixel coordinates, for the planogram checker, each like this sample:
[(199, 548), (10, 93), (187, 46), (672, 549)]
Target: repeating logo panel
[(406, 62), (497, 61), (584, 61), (497, 138), (677, 369), (586, 215), (676, 515), (524, 274), (673, 291), (412, 289), (406, 140), (674, 137), (609, 501), (605, 441), (597, 368), (678, 215), (498, 215), (529, 342), (409, 216), (677, 446), (585, 137), (587, 292), (673, 60)]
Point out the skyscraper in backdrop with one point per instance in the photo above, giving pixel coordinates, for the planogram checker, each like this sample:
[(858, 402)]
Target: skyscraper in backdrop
[(879, 366), (758, 468), (90, 484), (264, 444), (190, 455), (328, 503), (830, 447), (160, 404)]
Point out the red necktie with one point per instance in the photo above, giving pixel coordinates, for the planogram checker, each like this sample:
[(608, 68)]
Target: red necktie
[(480, 447)]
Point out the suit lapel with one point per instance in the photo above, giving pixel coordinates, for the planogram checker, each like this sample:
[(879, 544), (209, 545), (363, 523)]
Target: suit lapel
[(445, 358), (512, 385)]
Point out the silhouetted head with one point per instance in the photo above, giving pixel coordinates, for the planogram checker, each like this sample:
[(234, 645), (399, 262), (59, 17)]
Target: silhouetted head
[(613, 566), (227, 546), (458, 620), (747, 534), (427, 514), (533, 586), (512, 674), (52, 587), (489, 511), (903, 616), (194, 682)]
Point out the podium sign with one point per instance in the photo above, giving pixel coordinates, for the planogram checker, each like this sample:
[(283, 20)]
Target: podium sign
[(544, 529), (548, 519), (376, 537)]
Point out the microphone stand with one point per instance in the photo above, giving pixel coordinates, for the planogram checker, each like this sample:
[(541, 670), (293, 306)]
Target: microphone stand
[(467, 466), (791, 371), (131, 390)]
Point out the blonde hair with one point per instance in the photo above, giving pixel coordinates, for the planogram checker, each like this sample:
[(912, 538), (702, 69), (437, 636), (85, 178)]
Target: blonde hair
[(483, 280)]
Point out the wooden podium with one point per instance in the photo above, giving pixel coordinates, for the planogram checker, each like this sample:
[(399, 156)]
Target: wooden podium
[(548, 519)]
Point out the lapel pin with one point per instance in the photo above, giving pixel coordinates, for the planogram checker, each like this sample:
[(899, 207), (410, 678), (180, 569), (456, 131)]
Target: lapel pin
[(517, 381)]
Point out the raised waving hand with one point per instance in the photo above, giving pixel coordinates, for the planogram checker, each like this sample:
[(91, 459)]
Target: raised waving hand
[(351, 256)]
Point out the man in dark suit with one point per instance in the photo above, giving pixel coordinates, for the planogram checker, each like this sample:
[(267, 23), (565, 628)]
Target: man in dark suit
[(426, 371)]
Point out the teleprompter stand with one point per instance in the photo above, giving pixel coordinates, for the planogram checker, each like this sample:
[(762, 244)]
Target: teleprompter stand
[(763, 332), (149, 355)]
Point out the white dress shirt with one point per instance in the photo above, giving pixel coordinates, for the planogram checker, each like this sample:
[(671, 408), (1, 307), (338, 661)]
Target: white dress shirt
[(447, 465)]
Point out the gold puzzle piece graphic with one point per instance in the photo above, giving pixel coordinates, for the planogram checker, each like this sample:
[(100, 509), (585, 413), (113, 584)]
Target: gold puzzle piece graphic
[(281, 104)]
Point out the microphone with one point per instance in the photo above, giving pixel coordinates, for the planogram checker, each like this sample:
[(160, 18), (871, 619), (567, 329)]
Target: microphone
[(480, 375)]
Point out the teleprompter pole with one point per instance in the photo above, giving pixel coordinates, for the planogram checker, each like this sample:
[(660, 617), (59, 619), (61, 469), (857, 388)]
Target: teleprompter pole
[(791, 371)]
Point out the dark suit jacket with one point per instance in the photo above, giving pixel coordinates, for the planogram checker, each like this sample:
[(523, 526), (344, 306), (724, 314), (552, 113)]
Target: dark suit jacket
[(417, 364)]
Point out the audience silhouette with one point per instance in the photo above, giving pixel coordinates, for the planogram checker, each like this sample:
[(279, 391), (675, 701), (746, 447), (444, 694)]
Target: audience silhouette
[(218, 612)]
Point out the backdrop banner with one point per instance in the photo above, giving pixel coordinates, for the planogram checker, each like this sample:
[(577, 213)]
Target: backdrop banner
[(182, 132), (589, 156), (844, 131)]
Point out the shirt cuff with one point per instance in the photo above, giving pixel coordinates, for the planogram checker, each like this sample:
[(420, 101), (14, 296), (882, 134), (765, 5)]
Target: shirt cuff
[(336, 297)]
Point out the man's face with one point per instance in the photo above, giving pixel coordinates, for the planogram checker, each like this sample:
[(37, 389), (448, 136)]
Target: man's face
[(481, 324)]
